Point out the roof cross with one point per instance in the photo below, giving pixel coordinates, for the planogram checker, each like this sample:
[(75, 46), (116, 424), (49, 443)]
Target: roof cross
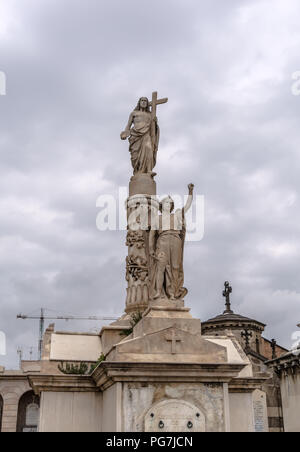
[(226, 293)]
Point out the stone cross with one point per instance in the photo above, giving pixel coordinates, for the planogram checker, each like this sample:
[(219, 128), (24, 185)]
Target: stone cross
[(153, 105), (246, 334), (156, 102), (173, 338), (226, 293)]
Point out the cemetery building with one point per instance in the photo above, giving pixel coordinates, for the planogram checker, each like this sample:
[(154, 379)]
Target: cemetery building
[(249, 333), (19, 406)]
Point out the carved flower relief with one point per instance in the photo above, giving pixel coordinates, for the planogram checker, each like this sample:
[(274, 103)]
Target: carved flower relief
[(136, 267), (135, 238)]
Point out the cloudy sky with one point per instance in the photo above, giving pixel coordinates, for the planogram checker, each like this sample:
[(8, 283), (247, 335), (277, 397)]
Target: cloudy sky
[(75, 69)]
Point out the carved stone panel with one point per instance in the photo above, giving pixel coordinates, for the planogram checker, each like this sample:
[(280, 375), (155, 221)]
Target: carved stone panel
[(139, 208), (174, 416), (260, 412)]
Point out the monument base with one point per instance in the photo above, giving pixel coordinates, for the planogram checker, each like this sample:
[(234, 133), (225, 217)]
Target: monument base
[(167, 377), (164, 377)]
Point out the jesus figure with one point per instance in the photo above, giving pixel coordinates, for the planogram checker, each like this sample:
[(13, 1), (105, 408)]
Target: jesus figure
[(143, 143)]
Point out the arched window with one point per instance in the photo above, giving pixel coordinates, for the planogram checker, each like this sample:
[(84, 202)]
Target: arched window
[(1, 411), (28, 413)]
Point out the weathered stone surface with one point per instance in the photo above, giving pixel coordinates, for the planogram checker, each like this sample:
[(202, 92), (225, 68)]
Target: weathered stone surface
[(140, 401), (174, 415), (160, 317), (158, 346), (142, 184), (75, 347), (110, 372), (71, 412), (260, 411), (139, 208), (111, 335), (241, 412), (12, 386)]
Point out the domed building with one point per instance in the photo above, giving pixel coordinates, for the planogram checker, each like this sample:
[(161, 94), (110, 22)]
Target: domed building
[(249, 333)]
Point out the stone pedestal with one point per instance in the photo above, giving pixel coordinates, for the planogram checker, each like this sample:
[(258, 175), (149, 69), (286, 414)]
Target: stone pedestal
[(141, 205), (167, 333), (142, 184), (170, 315)]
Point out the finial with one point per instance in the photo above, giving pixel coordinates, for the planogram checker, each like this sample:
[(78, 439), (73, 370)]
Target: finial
[(226, 293), (273, 346)]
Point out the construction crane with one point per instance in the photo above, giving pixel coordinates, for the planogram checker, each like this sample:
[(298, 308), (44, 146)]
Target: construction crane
[(42, 317)]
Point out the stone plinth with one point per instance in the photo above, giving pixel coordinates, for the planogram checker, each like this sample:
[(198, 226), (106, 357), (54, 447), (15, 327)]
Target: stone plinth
[(168, 333), (142, 184), (158, 318)]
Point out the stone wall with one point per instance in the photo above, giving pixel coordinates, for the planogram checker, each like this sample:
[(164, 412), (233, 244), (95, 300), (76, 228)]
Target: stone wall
[(266, 349), (139, 398), (11, 389), (241, 413), (287, 368), (71, 412), (290, 391)]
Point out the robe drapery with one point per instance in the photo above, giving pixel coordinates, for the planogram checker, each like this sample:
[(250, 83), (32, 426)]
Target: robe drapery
[(167, 276), (142, 146)]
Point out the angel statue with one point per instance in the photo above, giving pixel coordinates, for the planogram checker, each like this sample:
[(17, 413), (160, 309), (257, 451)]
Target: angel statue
[(166, 250)]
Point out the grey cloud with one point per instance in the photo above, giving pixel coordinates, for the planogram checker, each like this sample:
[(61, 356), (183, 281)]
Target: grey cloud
[(75, 70)]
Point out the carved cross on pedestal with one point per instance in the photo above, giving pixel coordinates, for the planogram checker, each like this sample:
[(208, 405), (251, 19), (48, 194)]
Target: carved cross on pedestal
[(273, 346), (226, 293), (173, 338), (246, 334)]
